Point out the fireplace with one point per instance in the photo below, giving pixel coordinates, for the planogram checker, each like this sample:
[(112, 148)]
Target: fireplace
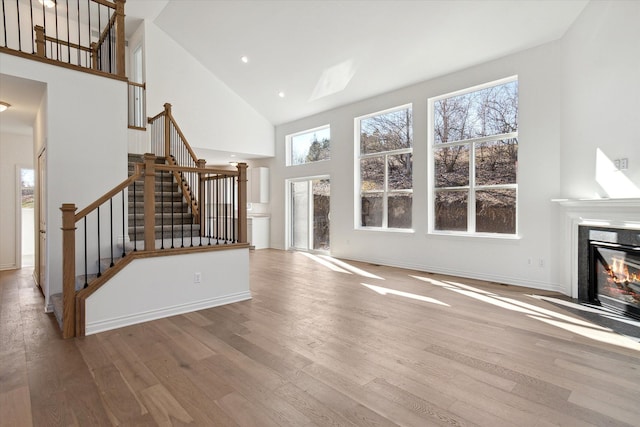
[(614, 276)]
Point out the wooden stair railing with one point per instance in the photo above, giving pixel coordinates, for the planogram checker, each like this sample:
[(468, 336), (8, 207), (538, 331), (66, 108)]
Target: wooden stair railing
[(168, 141), (63, 34), (223, 223)]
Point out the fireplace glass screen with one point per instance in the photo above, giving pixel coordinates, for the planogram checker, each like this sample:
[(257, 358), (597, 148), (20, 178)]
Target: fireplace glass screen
[(615, 276)]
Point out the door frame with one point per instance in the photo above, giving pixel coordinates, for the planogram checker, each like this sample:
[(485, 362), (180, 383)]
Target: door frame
[(40, 217), (289, 212)]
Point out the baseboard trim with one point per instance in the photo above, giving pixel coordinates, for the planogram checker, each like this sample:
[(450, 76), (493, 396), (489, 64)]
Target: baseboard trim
[(469, 275), (119, 322)]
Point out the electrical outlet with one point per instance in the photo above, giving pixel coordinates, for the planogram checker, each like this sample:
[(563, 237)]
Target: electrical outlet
[(541, 263), (624, 164), (197, 277)]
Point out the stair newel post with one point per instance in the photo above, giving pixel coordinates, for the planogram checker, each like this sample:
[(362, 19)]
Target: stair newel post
[(149, 201), (167, 130), (120, 42), (40, 42), (201, 163), (68, 270), (242, 202)]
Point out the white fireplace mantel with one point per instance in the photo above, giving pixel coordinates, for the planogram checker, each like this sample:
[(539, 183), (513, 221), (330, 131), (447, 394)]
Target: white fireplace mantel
[(612, 213)]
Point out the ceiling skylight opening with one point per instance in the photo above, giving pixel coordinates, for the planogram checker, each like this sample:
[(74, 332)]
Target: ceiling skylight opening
[(281, 94), (244, 59)]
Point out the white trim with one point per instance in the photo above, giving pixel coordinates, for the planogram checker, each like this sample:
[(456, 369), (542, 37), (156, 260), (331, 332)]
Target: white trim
[(119, 322), (288, 140), (613, 213)]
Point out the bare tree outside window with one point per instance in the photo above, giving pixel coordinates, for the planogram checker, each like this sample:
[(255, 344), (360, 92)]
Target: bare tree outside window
[(309, 146), (386, 169), (475, 160)]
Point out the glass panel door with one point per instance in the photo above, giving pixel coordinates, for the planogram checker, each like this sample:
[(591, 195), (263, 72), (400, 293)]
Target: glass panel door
[(310, 207)]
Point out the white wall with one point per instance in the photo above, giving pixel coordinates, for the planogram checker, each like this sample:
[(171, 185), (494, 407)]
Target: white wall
[(601, 100), (502, 260), (210, 115), (86, 143), (15, 151), (577, 95), (164, 286)]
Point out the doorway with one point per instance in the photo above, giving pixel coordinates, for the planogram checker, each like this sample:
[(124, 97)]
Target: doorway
[(27, 227), (309, 218)]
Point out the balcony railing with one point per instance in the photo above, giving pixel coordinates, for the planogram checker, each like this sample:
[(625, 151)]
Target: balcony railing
[(88, 34)]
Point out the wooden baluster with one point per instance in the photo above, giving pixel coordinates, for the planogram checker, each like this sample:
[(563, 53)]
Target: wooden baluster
[(41, 49), (68, 270), (200, 203), (120, 42), (149, 202), (242, 202), (94, 55), (167, 130)]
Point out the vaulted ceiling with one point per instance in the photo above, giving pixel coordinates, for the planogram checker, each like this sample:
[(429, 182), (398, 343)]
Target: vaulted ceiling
[(323, 54)]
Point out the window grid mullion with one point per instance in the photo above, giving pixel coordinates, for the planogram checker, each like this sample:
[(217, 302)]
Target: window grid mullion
[(471, 201), (385, 199)]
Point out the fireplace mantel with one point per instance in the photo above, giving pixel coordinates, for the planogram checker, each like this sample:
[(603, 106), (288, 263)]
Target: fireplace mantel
[(613, 213)]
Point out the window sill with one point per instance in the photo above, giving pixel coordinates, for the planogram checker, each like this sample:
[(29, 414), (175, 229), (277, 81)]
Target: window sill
[(387, 230), (495, 236)]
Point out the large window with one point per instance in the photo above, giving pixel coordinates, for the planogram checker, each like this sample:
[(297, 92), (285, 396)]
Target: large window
[(475, 159), (385, 164), (309, 146)]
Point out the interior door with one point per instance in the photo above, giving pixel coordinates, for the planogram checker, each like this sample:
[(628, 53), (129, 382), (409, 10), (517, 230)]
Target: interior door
[(41, 263), (309, 208)]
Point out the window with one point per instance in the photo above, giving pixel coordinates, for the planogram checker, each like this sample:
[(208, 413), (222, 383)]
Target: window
[(385, 163), (475, 158), (309, 146)]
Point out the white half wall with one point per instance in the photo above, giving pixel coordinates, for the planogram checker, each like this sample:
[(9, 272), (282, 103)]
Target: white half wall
[(153, 288), (15, 151), (210, 115)]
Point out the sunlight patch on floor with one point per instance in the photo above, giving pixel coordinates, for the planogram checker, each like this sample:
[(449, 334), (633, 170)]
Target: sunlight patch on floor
[(351, 268), (387, 291), (325, 263), (605, 336)]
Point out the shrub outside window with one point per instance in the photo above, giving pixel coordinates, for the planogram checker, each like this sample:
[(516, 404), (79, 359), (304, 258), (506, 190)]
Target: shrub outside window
[(475, 159), (309, 146), (385, 165)]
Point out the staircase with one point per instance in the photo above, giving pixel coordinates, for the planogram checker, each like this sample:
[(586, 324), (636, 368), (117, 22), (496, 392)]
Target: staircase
[(175, 225), (173, 217)]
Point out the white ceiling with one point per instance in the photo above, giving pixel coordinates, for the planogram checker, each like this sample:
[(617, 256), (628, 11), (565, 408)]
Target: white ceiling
[(323, 54)]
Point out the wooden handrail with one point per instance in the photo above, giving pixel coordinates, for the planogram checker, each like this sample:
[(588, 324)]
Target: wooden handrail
[(142, 85), (105, 32), (118, 188), (167, 107), (66, 43), (107, 3)]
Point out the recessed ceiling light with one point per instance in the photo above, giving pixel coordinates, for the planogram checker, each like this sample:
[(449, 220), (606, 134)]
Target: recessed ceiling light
[(4, 106), (281, 94), (244, 59), (233, 155)]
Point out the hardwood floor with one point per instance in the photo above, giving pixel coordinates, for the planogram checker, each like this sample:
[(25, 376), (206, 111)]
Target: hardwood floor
[(322, 347)]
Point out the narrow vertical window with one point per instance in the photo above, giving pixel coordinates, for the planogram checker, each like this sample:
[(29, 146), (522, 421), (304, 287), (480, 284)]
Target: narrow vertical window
[(385, 166)]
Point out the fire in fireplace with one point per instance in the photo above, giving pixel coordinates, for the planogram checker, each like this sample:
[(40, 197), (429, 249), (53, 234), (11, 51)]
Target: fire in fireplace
[(615, 276)]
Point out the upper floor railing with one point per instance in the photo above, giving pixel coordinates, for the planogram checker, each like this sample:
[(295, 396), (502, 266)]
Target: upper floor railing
[(80, 33)]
